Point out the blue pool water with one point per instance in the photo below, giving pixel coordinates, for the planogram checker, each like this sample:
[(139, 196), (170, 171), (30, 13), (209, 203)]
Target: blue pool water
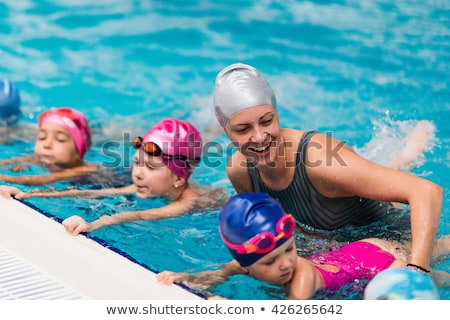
[(363, 70)]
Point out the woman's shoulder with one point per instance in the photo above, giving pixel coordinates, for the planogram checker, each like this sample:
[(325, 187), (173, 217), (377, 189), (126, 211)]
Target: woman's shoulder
[(292, 133), (292, 139), (295, 135)]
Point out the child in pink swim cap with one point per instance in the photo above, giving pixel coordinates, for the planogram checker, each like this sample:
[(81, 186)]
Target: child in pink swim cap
[(164, 160), (178, 143), (74, 122), (260, 237), (63, 139)]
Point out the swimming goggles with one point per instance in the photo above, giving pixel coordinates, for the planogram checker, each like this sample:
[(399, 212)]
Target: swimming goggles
[(153, 149), (265, 241)]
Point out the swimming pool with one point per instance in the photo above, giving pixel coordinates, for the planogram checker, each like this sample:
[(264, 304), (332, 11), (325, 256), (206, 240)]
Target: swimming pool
[(355, 69)]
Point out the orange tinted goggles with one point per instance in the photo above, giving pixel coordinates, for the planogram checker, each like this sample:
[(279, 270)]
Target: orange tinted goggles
[(153, 149)]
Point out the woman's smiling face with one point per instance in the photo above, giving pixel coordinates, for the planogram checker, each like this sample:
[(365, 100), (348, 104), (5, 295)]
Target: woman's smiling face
[(256, 133)]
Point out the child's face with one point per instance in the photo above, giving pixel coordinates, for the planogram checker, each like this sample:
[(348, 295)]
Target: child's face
[(276, 267), (256, 132), (55, 147), (150, 176)]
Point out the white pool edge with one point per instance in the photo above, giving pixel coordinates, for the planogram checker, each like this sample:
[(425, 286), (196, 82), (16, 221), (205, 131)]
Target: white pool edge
[(83, 266)]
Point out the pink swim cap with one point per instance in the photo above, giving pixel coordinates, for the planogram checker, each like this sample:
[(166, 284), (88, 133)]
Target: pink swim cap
[(177, 138), (74, 121)]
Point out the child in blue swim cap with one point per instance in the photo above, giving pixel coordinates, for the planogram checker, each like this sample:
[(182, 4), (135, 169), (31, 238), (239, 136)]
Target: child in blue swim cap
[(253, 224), (260, 237)]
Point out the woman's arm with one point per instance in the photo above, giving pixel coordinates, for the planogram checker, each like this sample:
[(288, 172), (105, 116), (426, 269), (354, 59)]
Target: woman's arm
[(340, 172)]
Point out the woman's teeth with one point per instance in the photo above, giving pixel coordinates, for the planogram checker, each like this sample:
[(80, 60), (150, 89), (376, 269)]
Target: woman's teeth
[(260, 149)]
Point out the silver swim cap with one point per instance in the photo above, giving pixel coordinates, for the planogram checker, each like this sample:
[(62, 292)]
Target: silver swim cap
[(240, 86)]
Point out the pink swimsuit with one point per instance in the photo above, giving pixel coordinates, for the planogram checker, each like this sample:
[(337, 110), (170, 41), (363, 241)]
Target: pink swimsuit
[(357, 260)]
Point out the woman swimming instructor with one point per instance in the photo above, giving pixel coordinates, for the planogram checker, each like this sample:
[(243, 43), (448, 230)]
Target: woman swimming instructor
[(320, 180)]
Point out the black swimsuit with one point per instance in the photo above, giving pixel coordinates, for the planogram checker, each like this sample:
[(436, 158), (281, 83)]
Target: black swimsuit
[(312, 209)]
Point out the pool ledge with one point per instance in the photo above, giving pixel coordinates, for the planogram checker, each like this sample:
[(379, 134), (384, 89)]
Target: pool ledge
[(80, 264)]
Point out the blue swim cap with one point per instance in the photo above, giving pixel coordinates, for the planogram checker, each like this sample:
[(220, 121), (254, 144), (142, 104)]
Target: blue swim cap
[(9, 102), (253, 224)]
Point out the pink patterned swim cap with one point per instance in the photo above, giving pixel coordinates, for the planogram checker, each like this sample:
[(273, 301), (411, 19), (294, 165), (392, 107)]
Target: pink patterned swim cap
[(180, 141), (76, 124)]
